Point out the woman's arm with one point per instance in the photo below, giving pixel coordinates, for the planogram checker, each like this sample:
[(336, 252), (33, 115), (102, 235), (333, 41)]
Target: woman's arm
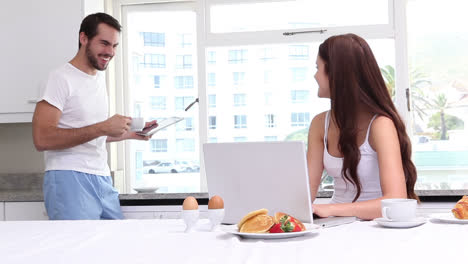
[(315, 153), (384, 140)]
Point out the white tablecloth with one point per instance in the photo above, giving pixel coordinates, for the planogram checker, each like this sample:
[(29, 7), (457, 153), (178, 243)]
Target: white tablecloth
[(163, 241)]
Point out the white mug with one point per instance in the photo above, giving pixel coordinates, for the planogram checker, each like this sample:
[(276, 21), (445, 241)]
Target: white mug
[(399, 209), (138, 123)]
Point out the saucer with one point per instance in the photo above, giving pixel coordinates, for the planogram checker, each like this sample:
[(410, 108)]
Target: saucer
[(401, 224)]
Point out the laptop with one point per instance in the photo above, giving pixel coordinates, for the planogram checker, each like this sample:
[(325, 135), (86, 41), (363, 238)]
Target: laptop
[(254, 175)]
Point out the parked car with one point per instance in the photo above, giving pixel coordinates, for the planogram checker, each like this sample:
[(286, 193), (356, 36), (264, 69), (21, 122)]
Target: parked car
[(188, 166), (162, 167)]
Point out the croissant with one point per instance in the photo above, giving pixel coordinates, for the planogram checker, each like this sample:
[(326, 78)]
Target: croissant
[(460, 210)]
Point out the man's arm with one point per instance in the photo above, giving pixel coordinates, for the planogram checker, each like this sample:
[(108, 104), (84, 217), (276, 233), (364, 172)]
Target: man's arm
[(47, 136)]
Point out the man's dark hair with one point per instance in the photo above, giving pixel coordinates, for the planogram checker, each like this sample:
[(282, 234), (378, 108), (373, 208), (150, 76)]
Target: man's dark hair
[(91, 22)]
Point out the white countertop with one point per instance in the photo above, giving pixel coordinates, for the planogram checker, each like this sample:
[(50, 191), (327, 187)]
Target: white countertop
[(163, 241)]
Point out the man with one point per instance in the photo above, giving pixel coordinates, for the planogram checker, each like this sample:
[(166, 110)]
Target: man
[(71, 125)]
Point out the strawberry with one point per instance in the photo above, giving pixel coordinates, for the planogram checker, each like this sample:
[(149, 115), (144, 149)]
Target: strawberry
[(285, 225)]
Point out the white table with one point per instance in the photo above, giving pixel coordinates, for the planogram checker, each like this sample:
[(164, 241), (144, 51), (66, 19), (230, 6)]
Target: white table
[(163, 241)]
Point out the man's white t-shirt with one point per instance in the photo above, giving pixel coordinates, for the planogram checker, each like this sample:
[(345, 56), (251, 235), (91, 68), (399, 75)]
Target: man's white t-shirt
[(82, 99)]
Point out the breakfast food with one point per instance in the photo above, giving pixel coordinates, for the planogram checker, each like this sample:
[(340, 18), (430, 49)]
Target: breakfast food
[(190, 203), (286, 223), (250, 215), (460, 210), (216, 202), (260, 222)]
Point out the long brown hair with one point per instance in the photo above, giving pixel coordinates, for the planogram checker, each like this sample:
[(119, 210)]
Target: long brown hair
[(355, 79)]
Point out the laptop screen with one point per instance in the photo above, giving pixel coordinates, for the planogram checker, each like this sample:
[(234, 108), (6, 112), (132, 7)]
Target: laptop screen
[(254, 175)]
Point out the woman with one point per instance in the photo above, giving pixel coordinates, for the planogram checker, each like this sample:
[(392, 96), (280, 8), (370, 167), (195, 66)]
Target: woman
[(361, 142)]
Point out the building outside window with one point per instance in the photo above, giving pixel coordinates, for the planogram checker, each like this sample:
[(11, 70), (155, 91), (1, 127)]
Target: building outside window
[(240, 121), (300, 119), (237, 56), (183, 82), (238, 78), (185, 145), (211, 80), (239, 100), (185, 40), (158, 102), (181, 102), (271, 138), (153, 39), (240, 139), (212, 101), (157, 81), (158, 145), (154, 61), (270, 120), (211, 57), (184, 61), (299, 96), (265, 54), (185, 125), (298, 74), (299, 52), (212, 122)]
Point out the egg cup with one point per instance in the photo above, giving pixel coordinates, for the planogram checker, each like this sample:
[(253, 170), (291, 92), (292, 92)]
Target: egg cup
[(190, 218), (216, 216)]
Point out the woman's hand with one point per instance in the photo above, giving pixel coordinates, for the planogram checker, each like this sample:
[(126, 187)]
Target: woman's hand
[(322, 210)]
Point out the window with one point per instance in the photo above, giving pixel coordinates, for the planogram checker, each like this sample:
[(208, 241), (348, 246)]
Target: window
[(212, 122), (299, 52), (181, 102), (183, 82), (164, 60), (158, 102), (185, 40), (271, 138), (238, 78), (237, 56), (185, 145), (158, 145), (185, 125), (211, 79), (280, 71), (268, 98), (439, 91), (157, 81), (266, 54), (154, 61), (270, 121), (212, 100), (240, 121), (184, 61), (299, 96), (239, 100), (298, 74), (211, 57), (300, 119), (153, 39)]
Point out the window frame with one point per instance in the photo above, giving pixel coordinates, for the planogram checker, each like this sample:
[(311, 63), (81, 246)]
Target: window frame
[(119, 158)]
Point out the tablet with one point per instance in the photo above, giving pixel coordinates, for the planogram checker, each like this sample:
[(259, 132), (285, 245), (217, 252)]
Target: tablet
[(149, 131)]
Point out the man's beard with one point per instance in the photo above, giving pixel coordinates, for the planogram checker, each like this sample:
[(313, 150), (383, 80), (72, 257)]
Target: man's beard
[(93, 61)]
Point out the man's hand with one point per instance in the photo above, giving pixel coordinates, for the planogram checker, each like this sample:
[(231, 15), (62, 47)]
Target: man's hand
[(133, 134), (116, 126)]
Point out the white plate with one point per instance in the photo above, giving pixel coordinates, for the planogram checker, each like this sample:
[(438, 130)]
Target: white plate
[(146, 189), (448, 218), (311, 228), (400, 224)]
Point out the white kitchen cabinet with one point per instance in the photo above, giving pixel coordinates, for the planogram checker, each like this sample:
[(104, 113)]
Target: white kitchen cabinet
[(2, 211), (18, 211), (38, 36)]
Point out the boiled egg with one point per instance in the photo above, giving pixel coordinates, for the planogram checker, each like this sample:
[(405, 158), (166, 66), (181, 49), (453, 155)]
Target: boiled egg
[(190, 203), (216, 202)]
